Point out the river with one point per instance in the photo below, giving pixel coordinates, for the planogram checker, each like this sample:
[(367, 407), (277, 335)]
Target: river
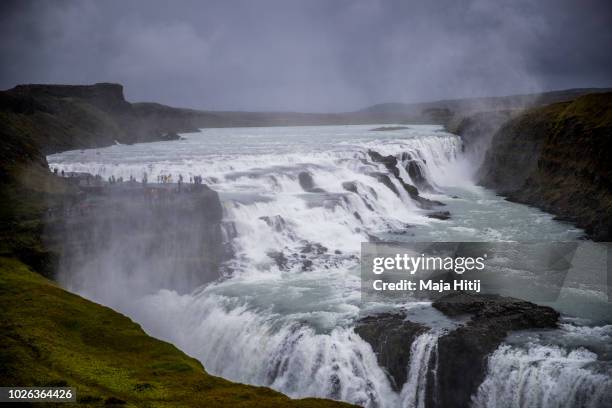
[(282, 315)]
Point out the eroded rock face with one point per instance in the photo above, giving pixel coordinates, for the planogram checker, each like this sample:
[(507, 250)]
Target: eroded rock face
[(415, 171), (462, 353), (416, 174), (390, 336), (461, 356), (107, 96), (386, 180), (557, 158), (390, 163), (155, 235)]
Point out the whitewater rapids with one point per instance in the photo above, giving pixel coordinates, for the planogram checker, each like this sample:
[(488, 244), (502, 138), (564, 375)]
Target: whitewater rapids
[(284, 312)]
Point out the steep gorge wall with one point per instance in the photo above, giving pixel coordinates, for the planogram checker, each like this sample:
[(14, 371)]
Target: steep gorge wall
[(558, 158), (133, 239)]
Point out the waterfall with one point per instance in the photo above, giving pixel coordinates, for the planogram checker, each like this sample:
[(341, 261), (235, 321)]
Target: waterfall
[(295, 207), (550, 370), (260, 347), (422, 351), (544, 376)]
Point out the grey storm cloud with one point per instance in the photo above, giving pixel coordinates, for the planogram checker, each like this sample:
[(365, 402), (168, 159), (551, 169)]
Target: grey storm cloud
[(310, 55)]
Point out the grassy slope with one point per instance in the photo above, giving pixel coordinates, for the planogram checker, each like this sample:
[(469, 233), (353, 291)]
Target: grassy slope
[(55, 338)]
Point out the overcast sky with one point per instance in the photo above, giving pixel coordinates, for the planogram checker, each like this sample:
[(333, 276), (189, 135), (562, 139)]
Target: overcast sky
[(310, 55)]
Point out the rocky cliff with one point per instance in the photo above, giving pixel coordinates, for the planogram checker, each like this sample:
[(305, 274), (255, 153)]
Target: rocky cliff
[(144, 237), (558, 158)]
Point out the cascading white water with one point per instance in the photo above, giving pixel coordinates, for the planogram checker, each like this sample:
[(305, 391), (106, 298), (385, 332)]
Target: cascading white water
[(543, 376), (284, 318), (423, 349), (261, 347), (550, 370)]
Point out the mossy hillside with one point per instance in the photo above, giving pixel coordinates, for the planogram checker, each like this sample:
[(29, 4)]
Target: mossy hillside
[(30, 127), (51, 337), (27, 191)]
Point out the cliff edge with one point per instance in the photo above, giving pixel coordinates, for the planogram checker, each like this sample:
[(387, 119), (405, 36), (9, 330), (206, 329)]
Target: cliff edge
[(557, 158)]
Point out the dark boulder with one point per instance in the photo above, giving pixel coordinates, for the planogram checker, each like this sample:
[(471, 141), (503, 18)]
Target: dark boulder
[(390, 336), (350, 186), (439, 215), (277, 222), (413, 168), (313, 248), (280, 259), (307, 183), (390, 163)]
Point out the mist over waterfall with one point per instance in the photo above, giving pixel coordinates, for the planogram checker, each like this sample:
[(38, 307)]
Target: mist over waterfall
[(256, 273)]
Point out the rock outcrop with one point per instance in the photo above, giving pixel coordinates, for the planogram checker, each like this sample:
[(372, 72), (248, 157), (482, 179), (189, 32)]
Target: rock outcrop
[(106, 96), (54, 118), (462, 353), (390, 162), (416, 173), (458, 365), (156, 235), (307, 183), (390, 336), (439, 215)]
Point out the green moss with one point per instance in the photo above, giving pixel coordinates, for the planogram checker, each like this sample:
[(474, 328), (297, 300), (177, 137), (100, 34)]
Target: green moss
[(53, 337), (593, 111)]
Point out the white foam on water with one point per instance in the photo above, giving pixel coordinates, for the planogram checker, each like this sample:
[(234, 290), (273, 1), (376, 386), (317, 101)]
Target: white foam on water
[(290, 326), (536, 375)]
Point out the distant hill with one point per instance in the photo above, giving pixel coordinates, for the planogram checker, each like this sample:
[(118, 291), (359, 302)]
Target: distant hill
[(489, 103)]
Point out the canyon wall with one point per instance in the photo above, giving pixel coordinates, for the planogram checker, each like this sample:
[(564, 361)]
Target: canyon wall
[(557, 158)]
